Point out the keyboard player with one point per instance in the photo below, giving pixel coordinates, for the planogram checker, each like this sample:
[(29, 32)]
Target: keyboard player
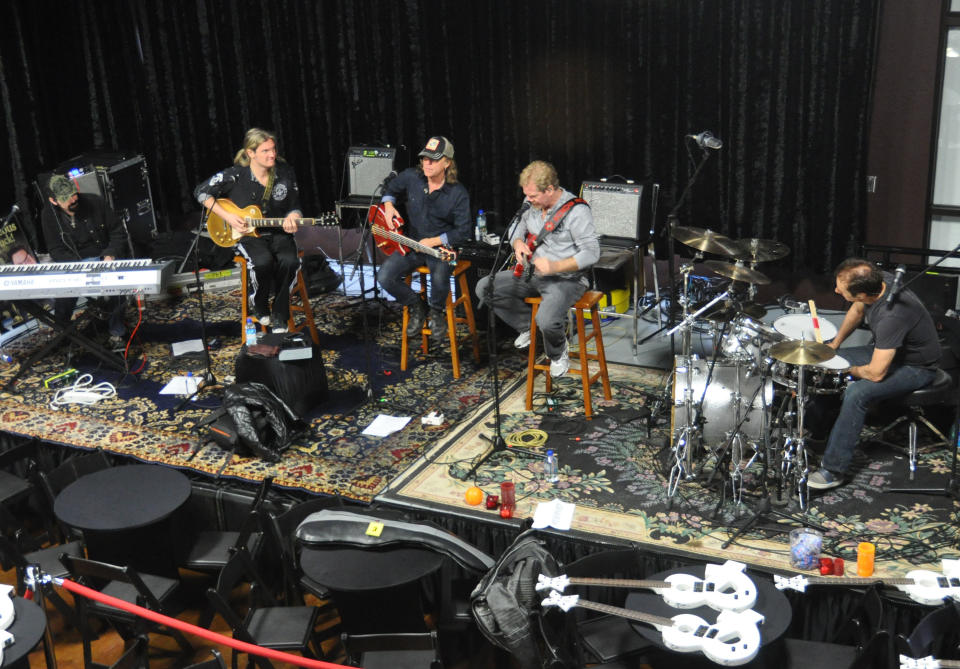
[(79, 227)]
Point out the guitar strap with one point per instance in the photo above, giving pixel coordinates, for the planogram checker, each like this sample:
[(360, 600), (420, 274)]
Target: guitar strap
[(267, 191), (555, 221)]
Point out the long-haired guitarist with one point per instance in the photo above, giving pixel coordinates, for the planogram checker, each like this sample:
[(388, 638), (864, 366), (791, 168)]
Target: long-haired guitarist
[(557, 240), (438, 214), (258, 177)]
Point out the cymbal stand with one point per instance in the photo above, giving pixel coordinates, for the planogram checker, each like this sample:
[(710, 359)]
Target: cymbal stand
[(794, 467)]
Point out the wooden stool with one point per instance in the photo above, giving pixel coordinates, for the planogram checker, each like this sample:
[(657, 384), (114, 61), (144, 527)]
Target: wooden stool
[(589, 301), (303, 307), (463, 299)]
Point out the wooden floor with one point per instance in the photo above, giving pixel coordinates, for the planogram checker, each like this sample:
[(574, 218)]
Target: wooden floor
[(109, 646)]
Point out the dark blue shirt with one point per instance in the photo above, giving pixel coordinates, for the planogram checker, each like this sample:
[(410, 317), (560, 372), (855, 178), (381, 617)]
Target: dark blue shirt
[(239, 185), (443, 213)]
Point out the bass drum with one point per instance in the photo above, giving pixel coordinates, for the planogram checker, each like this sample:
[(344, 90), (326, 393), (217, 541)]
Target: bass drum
[(719, 402)]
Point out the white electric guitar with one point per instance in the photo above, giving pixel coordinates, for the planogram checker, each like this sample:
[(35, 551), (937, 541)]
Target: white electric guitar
[(7, 614), (921, 585), (927, 663), (731, 641), (725, 587)]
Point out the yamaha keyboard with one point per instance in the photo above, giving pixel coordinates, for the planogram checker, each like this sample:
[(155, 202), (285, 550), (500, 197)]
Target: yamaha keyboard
[(84, 279)]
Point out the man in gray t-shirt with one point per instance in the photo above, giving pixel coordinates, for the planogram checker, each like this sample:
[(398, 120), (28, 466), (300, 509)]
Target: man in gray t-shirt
[(903, 358), (555, 267)]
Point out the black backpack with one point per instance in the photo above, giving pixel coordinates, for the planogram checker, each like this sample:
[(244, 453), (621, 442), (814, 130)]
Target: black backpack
[(506, 604)]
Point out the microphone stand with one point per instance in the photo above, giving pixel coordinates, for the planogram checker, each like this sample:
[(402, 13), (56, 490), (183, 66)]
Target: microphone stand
[(497, 442), (208, 379)]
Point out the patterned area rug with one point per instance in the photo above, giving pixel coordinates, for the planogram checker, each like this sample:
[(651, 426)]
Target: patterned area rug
[(333, 457), (617, 476)]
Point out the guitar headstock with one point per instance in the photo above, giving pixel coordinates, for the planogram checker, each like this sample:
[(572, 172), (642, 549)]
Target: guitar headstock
[(328, 219), (447, 254), (545, 582), (565, 602), (928, 662), (798, 583)]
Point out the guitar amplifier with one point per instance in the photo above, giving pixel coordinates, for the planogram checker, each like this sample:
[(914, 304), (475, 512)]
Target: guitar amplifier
[(621, 211), (367, 168)]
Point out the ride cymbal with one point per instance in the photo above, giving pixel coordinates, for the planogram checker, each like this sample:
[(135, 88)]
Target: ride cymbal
[(800, 352), (760, 250), (705, 240), (737, 272)]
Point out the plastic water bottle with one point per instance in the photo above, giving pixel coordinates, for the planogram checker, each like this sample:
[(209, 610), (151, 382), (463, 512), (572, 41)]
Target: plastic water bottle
[(251, 333), (550, 467), (481, 229), (188, 385)]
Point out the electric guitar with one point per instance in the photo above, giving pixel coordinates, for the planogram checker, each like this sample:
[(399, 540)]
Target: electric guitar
[(731, 641), (525, 269), (223, 234), (390, 241), (7, 615), (921, 585), (724, 587), (928, 662)]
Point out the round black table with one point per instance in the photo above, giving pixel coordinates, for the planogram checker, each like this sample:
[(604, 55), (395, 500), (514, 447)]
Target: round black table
[(27, 630), (375, 590), (770, 602), (124, 513)]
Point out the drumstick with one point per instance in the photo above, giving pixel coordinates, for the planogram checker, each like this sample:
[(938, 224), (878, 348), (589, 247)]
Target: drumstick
[(816, 322)]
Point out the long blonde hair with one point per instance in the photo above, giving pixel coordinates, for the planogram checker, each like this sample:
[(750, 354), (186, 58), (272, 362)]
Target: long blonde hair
[(253, 138)]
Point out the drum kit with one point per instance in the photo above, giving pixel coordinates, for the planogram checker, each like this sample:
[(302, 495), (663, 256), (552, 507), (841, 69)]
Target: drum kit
[(747, 402)]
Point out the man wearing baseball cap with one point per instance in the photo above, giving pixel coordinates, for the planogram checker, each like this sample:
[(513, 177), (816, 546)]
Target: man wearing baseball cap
[(438, 214), (81, 226)]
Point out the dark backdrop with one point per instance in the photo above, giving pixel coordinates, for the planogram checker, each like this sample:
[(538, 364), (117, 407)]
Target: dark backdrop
[(598, 87)]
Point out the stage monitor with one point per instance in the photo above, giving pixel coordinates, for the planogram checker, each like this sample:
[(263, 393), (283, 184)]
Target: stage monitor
[(367, 167)]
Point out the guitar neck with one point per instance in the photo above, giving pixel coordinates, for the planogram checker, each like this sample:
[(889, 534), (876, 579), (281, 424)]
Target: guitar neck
[(639, 616), (620, 583), (822, 580), (278, 222), (406, 241)]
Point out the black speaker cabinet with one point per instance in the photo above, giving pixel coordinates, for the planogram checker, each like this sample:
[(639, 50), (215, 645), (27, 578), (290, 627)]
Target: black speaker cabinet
[(621, 210), (937, 291), (367, 167)]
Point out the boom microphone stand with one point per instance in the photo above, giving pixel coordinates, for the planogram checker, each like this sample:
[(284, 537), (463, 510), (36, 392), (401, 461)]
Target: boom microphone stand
[(497, 443)]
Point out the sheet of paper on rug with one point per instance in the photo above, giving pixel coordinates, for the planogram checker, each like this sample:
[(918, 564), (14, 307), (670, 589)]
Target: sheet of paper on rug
[(384, 425), (181, 385), (188, 346), (554, 513)]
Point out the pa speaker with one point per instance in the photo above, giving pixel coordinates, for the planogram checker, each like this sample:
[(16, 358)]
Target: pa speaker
[(621, 210), (368, 167)]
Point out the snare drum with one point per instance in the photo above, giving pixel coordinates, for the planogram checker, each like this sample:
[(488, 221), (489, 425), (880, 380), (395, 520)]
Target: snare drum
[(826, 378), (800, 326), (719, 409), (747, 339)]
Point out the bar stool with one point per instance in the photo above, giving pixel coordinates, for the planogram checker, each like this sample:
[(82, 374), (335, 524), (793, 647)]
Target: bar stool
[(589, 302), (910, 406), (462, 299), (303, 307)]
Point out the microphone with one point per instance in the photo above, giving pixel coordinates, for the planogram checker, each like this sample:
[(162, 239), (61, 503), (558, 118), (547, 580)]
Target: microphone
[(897, 285), (13, 212), (387, 179), (706, 140)]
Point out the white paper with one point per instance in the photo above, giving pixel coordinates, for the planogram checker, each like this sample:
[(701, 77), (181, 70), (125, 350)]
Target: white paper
[(188, 346), (555, 514), (383, 425), (181, 385)]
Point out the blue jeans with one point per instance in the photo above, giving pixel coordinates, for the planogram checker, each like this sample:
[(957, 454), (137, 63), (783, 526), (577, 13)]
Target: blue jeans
[(856, 400), (397, 267)]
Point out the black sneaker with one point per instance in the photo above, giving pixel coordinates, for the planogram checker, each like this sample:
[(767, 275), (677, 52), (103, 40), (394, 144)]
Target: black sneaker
[(418, 315), (438, 324), (824, 479)]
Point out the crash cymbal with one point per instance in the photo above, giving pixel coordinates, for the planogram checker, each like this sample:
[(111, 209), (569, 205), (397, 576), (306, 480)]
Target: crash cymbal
[(737, 272), (705, 240), (759, 250), (801, 352)]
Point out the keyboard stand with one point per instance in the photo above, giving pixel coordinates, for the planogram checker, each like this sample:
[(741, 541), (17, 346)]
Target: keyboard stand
[(70, 332)]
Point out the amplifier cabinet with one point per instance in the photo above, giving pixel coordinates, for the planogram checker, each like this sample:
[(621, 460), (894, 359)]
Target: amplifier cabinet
[(367, 167), (621, 211)]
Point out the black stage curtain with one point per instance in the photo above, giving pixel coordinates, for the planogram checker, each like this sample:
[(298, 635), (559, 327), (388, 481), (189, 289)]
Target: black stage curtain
[(598, 87)]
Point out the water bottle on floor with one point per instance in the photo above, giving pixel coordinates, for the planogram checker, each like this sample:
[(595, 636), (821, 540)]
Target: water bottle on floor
[(550, 467), (250, 333)]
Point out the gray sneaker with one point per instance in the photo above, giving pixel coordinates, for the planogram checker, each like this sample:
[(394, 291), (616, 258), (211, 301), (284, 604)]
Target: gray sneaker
[(824, 479), (561, 365), (522, 340)]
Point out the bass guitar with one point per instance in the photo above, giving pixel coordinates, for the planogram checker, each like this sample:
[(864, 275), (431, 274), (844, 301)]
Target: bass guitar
[(724, 587), (928, 662), (921, 585), (731, 641), (223, 234), (390, 241)]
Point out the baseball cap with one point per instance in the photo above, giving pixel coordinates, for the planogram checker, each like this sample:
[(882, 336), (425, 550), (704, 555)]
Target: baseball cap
[(436, 148), (61, 187)]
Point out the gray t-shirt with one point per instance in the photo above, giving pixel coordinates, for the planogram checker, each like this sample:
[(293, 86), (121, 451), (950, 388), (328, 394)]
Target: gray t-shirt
[(575, 238), (905, 325)]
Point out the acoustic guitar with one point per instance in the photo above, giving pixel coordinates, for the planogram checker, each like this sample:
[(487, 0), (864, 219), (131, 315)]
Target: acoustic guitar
[(223, 234), (390, 241)]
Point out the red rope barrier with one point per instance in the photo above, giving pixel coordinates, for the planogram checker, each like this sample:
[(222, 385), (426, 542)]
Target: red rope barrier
[(153, 616)]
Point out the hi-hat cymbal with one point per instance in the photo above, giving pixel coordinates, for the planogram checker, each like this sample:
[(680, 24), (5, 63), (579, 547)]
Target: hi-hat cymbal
[(801, 352), (759, 250), (705, 240), (753, 310), (737, 272), (727, 310)]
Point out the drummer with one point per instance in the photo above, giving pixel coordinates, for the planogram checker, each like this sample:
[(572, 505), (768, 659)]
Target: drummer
[(904, 357)]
